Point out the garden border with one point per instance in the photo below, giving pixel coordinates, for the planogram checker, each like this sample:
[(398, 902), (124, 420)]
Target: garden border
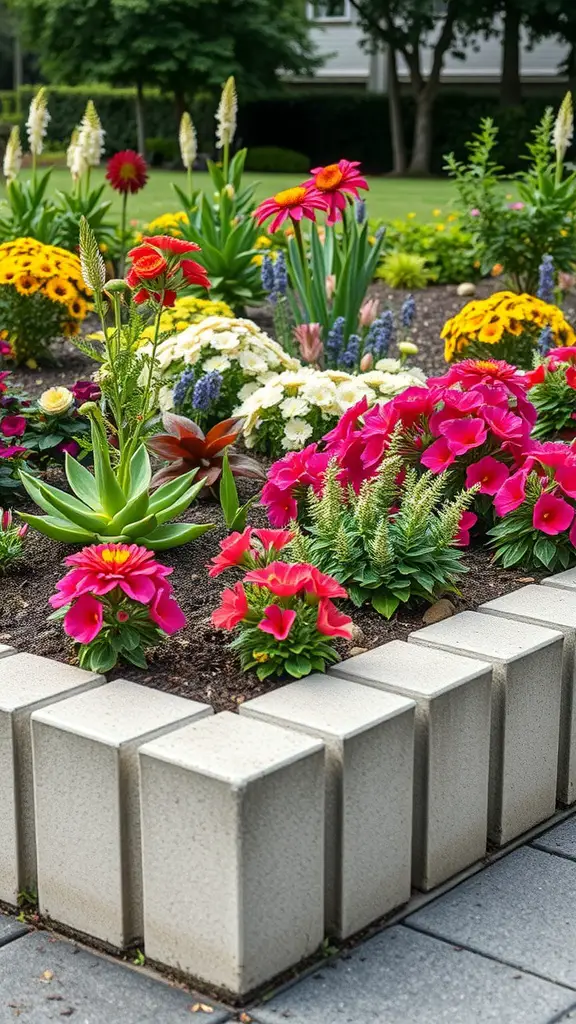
[(286, 825)]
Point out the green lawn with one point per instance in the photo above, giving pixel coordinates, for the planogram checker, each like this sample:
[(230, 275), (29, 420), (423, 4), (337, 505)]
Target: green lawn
[(388, 197)]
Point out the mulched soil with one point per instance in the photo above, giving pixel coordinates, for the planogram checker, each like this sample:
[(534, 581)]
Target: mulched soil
[(197, 662)]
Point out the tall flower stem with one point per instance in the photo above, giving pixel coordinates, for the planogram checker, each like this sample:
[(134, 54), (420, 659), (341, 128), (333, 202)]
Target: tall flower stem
[(226, 159), (144, 416), (123, 233)]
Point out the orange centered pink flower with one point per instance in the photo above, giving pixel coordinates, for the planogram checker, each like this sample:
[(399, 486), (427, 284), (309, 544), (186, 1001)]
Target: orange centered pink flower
[(290, 196)]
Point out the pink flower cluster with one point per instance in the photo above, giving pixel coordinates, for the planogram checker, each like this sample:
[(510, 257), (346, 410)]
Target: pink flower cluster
[(115, 571), (554, 465), (475, 419)]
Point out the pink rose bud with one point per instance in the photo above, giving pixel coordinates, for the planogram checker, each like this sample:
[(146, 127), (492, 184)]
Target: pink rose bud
[(566, 281), (330, 286), (122, 616), (308, 338), (6, 518), (367, 362), (23, 530), (368, 312)]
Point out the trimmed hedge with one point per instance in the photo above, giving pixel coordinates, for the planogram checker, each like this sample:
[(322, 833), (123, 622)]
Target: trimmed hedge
[(276, 159), (324, 126)]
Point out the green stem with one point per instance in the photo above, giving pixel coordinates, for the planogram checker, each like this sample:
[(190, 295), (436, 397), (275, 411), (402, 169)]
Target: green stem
[(34, 170), (145, 410), (226, 160), (300, 242), (189, 177), (123, 234)]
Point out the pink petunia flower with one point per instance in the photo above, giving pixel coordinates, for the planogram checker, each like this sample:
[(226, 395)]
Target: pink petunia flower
[(512, 493), (83, 620), (332, 622), (277, 621), (552, 515), (166, 612), (438, 456), (487, 472), (464, 434), (467, 521), (13, 426), (233, 608), (233, 551)]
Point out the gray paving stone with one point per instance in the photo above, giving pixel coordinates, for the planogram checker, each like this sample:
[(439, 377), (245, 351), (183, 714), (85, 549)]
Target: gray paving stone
[(561, 840), (46, 979), (519, 910), (9, 928), (404, 977)]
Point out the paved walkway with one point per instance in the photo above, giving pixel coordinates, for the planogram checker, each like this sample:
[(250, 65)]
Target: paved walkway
[(501, 947)]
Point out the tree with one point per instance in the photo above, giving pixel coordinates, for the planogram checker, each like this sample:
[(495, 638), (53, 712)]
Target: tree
[(403, 28), (180, 46)]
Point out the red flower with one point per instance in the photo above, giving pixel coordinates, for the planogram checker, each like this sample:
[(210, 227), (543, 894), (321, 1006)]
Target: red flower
[(462, 435), (274, 539), (467, 521), (512, 493), (504, 423), (332, 622), (277, 621), (233, 609), (565, 477), (233, 550), (438, 456), (323, 586), (83, 620), (159, 266), (552, 515), (571, 377), (147, 267), (167, 243), (281, 578), (336, 181), (13, 426), (186, 447), (487, 472), (127, 171), (295, 203), (282, 507), (471, 372), (537, 376)]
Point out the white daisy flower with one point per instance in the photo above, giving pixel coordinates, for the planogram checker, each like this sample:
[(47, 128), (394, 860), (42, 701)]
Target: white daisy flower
[(252, 362), (294, 405), (296, 433), (219, 363)]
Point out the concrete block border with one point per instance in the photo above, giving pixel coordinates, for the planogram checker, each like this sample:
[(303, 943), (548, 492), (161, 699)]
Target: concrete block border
[(229, 846)]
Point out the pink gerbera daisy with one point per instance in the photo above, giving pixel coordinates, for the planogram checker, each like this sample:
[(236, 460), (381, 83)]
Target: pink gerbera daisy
[(295, 203), (336, 181)]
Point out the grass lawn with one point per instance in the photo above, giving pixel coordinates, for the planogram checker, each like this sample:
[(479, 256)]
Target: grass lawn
[(388, 198)]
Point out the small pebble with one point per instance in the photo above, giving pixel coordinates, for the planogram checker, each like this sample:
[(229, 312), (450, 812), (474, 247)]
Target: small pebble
[(466, 288), (441, 609)]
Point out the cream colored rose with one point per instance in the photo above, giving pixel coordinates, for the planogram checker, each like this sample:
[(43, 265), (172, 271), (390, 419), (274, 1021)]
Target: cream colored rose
[(55, 401)]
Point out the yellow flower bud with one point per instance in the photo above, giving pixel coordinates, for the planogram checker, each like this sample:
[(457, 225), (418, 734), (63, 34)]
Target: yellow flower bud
[(55, 401)]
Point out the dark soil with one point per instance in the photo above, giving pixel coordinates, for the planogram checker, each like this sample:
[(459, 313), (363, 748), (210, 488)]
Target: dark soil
[(197, 662)]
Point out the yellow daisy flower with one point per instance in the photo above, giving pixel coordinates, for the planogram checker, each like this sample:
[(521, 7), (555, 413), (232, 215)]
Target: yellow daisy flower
[(59, 290)]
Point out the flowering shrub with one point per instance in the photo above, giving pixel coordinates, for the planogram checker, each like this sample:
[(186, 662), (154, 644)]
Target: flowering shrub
[(283, 613), (11, 540), (392, 542), (553, 392), (444, 245), (236, 349), (474, 421), (517, 234), (51, 426), (505, 326), (187, 309), (536, 506), (116, 602), (42, 295), (299, 405)]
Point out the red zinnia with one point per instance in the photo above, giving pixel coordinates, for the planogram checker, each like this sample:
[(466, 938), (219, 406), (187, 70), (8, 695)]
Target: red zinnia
[(295, 203), (335, 180), (127, 171)]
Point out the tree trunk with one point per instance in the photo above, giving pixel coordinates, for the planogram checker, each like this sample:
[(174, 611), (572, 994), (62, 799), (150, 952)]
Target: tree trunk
[(395, 109), (510, 85), (422, 141), (140, 128)]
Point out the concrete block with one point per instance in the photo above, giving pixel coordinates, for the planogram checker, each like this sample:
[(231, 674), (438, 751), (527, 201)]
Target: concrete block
[(565, 580), (452, 749), (526, 691), (87, 804), (369, 738), (27, 682), (233, 846), (555, 608)]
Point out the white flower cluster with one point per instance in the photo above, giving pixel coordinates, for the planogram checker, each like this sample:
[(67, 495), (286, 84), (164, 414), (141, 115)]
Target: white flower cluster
[(296, 407), (13, 155), (237, 348), (37, 123)]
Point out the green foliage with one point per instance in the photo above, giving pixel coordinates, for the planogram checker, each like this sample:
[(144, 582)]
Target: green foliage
[(160, 151), (555, 401), (11, 541), (404, 270), (445, 247), (100, 510), (393, 542), (517, 542), (32, 322), (275, 159), (235, 514), (227, 232), (304, 650), (518, 238)]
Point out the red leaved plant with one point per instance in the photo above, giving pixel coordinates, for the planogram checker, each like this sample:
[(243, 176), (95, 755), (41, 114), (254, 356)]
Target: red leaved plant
[(186, 447)]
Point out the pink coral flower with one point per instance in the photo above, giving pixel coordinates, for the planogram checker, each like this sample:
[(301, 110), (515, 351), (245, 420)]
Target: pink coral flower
[(274, 540), (487, 472), (335, 181), (233, 551), (464, 434), (552, 515), (438, 456), (100, 568), (281, 578), (332, 622), (565, 477), (511, 494), (166, 612), (83, 621), (281, 506), (277, 621), (505, 424), (233, 608), (467, 521), (296, 203)]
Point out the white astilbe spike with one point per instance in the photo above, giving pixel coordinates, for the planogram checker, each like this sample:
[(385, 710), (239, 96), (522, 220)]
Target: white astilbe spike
[(13, 155), (75, 158), (188, 141), (226, 114), (563, 127), (37, 123), (91, 259), (91, 136)]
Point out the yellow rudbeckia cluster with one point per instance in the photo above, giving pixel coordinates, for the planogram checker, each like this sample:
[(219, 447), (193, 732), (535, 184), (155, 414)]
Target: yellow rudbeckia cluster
[(185, 311), (30, 268), (505, 326), (167, 224)]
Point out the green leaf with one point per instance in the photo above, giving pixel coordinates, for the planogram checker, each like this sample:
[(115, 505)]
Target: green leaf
[(228, 493), (168, 493), (140, 471), (70, 508), (136, 656), (385, 604), (179, 506), (133, 512), (173, 535), (58, 529), (298, 665)]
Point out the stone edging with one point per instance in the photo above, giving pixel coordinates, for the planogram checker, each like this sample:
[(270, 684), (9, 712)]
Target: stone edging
[(230, 845)]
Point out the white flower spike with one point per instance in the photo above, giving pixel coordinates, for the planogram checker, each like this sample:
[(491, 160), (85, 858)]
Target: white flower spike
[(13, 155), (563, 127), (37, 123), (226, 115), (188, 141), (91, 136)]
